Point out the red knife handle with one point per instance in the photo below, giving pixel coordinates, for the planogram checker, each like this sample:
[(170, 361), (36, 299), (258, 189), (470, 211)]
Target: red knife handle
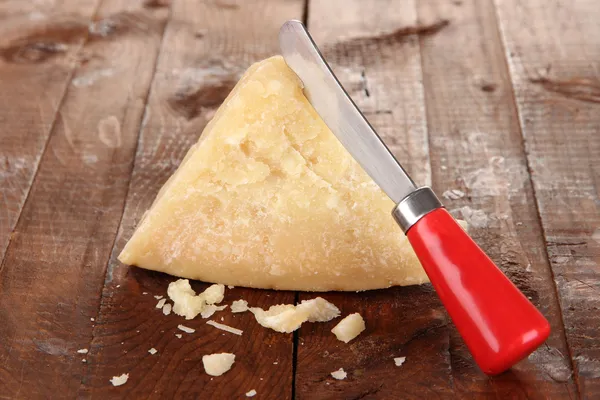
[(497, 322)]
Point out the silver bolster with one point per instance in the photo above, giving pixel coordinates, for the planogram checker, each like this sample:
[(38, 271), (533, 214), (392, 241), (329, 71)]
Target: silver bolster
[(415, 206)]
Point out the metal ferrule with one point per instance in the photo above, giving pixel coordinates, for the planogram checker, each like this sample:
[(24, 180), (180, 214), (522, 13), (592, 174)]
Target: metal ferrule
[(415, 206)]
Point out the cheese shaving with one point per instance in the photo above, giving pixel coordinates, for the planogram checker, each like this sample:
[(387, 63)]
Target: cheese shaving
[(210, 309), (319, 310), (161, 303), (167, 309), (82, 351), (225, 328), (284, 318), (153, 351), (186, 329), (251, 393)]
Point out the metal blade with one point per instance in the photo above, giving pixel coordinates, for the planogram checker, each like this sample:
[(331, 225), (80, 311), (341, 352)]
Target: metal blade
[(339, 112)]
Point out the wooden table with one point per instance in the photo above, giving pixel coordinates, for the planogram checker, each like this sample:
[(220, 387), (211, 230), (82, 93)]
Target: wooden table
[(100, 100)]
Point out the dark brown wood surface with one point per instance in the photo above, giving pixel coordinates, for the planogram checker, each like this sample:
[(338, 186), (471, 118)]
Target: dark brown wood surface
[(100, 100)]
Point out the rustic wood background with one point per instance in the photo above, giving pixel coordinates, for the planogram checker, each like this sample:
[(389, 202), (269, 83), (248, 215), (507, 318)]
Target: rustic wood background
[(100, 100)]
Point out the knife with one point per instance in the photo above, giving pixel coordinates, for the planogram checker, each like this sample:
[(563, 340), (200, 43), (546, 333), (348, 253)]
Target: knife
[(498, 323)]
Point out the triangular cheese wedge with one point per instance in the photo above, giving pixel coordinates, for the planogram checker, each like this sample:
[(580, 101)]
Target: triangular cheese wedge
[(269, 198)]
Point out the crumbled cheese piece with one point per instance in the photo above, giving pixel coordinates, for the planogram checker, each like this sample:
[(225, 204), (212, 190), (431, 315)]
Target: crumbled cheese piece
[(283, 318), (319, 310), (399, 361), (167, 309), (210, 309), (186, 329), (83, 360), (230, 286), (179, 335), (119, 380), (161, 303), (251, 393), (218, 364), (158, 297), (239, 306), (225, 328), (214, 294), (339, 374), (144, 292), (82, 351), (153, 351), (92, 319), (349, 328), (185, 301)]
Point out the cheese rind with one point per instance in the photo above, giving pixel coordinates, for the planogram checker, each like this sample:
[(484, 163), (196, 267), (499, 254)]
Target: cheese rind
[(269, 198)]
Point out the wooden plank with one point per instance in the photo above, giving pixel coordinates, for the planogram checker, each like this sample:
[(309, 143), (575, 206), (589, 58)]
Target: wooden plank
[(54, 267), (39, 48), (206, 48), (476, 149), (552, 49), (374, 49)]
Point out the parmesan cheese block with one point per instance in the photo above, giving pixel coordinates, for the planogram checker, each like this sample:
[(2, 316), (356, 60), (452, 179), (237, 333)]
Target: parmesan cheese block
[(269, 198)]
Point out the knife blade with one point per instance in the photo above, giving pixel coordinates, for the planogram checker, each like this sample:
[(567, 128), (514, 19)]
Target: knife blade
[(339, 112)]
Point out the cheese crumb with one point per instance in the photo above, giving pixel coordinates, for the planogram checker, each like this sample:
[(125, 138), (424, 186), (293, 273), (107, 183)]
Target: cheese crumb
[(83, 360), (251, 393), (186, 329), (239, 306), (144, 292), (218, 364), (287, 318), (210, 309), (92, 319), (179, 335), (185, 301), (119, 380), (349, 328), (283, 318), (161, 303), (225, 328), (319, 310), (230, 286), (399, 361), (158, 297), (167, 309), (339, 374), (82, 351), (153, 351)]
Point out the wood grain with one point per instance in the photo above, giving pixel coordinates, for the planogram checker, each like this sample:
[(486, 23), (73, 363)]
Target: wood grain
[(476, 148), (375, 52), (552, 50), (39, 48), (207, 47), (54, 267)]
